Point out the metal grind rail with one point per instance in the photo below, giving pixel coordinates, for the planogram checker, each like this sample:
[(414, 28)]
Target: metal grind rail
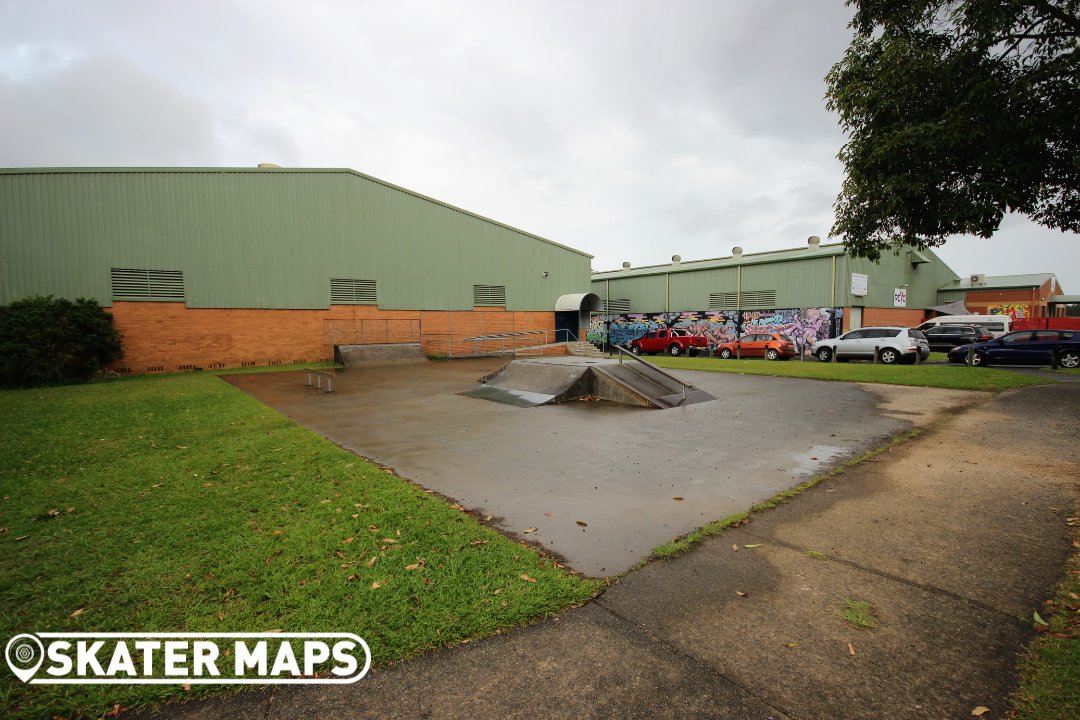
[(319, 375), (652, 368)]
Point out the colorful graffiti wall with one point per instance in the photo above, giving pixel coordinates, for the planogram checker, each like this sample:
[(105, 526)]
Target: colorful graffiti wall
[(1013, 310), (803, 325)]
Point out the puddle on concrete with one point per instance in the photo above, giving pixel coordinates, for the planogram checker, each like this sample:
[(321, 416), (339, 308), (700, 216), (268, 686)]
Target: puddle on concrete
[(814, 460)]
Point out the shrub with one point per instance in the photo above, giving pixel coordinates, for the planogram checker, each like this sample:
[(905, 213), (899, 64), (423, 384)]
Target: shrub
[(48, 341)]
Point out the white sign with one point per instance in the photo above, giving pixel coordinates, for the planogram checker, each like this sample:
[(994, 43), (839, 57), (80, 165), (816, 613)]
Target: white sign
[(899, 297), (858, 284)]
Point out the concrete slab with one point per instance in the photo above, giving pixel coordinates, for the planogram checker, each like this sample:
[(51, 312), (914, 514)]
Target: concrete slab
[(587, 664), (635, 478)]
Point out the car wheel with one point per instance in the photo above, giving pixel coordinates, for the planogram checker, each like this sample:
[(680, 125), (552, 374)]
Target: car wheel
[(771, 354), (978, 359), (674, 351), (824, 354), (1069, 359), (888, 356), (725, 353), (636, 349)]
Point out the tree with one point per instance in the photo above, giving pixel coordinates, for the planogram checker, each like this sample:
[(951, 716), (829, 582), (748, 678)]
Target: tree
[(956, 111), (47, 340)]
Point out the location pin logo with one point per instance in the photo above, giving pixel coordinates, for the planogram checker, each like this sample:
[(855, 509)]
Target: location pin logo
[(24, 655)]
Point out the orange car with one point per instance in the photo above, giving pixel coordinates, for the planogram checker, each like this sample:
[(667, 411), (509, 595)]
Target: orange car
[(771, 346)]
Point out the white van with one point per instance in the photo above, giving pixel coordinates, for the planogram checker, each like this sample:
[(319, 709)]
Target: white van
[(997, 324)]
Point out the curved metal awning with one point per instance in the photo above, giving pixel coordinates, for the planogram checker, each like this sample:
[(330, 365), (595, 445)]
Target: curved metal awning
[(578, 302)]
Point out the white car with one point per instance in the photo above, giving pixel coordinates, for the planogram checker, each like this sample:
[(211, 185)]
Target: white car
[(889, 345)]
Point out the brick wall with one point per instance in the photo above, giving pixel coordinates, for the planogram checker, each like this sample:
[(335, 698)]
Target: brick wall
[(904, 317), (165, 337)]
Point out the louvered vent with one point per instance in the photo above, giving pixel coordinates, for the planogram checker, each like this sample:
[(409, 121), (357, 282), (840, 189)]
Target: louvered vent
[(489, 295), (618, 306), (130, 284), (723, 301), (759, 299), (353, 292)]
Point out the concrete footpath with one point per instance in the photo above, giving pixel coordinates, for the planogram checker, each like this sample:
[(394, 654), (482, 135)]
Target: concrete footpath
[(953, 538)]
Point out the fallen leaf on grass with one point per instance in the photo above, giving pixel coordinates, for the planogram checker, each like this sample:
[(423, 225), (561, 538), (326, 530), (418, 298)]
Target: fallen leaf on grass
[(793, 645), (21, 537), (526, 578), (339, 554), (351, 578), (981, 710), (376, 585), (388, 540), (478, 542), (371, 562), (373, 528), (186, 687), (414, 566), (851, 649), (1038, 619), (497, 591), (529, 530), (346, 541), (78, 612)]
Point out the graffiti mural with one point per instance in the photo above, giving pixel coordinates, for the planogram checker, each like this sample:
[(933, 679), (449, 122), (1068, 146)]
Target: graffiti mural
[(803, 325), (1015, 311)]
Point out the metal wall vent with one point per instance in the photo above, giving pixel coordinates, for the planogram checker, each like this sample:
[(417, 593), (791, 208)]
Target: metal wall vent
[(723, 300), (764, 299), (618, 306), (489, 295), (131, 284), (353, 292)]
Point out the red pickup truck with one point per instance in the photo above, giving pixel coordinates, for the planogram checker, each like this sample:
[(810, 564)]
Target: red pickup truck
[(672, 342)]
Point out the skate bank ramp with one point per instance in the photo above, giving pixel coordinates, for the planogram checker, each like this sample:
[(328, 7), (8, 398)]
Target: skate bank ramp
[(543, 381)]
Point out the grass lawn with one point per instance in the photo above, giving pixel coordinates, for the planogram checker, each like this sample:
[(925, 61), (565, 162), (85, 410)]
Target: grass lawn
[(956, 377), (1050, 669), (180, 504)]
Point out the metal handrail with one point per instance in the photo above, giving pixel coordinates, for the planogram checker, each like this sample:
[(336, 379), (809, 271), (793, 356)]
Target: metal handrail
[(682, 383), (319, 375)]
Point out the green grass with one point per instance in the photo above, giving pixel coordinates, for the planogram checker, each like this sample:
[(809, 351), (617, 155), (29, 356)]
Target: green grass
[(956, 377), (816, 554), (857, 613), (1050, 668), (185, 505)]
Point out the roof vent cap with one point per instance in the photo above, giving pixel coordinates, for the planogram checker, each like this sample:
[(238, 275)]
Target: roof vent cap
[(676, 259), (736, 252), (978, 279), (813, 242), (626, 266)]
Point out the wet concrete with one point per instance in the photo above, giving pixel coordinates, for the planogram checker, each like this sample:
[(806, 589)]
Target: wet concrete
[(602, 484)]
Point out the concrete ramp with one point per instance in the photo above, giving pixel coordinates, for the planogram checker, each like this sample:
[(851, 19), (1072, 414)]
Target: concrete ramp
[(543, 381)]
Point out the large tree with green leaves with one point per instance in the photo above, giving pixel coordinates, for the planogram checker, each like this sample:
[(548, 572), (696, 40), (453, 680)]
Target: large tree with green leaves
[(956, 112)]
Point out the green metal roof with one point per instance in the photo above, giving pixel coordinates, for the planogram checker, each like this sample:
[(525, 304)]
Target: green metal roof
[(1002, 282), (803, 253), (224, 170)]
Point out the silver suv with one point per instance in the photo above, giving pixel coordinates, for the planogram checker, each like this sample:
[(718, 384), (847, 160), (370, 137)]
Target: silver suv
[(889, 344)]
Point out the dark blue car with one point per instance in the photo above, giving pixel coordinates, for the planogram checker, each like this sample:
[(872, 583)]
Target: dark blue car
[(1024, 347)]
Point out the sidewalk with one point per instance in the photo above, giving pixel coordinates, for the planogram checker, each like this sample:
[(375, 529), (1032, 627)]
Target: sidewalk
[(954, 538)]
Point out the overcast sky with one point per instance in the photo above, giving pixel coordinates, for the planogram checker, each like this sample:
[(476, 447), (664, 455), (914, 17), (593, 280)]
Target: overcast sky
[(632, 130)]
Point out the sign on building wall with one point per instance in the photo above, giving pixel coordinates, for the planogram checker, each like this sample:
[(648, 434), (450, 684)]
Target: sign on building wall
[(899, 297), (858, 284)]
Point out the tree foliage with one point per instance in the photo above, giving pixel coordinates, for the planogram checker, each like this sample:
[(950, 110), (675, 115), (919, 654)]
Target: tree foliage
[(957, 111), (47, 341)]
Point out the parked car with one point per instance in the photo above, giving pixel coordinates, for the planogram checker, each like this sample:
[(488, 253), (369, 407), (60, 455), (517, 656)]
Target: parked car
[(671, 341), (996, 324), (943, 338), (771, 346), (1024, 347), (892, 345)]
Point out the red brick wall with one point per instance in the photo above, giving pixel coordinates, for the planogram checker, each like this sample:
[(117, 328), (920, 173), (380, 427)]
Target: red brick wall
[(904, 317), (169, 336), (1033, 300)]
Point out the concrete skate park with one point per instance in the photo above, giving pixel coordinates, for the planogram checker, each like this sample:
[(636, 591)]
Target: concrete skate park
[(597, 483)]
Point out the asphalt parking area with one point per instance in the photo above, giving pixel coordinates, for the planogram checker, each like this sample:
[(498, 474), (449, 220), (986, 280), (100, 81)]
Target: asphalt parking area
[(597, 484)]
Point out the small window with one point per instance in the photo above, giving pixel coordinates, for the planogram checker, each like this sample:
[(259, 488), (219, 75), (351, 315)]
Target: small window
[(1020, 337), (890, 333), (491, 295), (132, 284), (353, 292), (651, 334)]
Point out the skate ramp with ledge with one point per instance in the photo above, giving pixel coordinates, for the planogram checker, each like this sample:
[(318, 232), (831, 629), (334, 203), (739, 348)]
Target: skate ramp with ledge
[(546, 381)]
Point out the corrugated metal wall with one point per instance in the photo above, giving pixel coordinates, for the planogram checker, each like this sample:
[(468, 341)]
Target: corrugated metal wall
[(266, 239), (799, 282)]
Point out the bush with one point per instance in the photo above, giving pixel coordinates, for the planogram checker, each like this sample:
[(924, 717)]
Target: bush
[(48, 341)]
